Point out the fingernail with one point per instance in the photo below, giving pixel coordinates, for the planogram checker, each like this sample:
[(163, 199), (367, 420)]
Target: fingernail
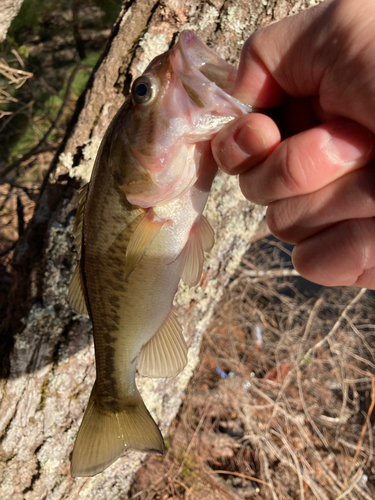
[(249, 140), (350, 143)]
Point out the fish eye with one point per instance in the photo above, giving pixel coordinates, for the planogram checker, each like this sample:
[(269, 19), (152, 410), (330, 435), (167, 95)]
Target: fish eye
[(144, 89)]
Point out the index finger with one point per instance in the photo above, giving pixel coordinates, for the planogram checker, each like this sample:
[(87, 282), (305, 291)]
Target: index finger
[(308, 161)]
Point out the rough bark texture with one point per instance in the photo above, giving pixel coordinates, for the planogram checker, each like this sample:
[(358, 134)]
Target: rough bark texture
[(8, 11), (47, 350)]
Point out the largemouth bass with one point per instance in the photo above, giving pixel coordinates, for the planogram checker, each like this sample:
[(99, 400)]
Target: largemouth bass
[(139, 229)]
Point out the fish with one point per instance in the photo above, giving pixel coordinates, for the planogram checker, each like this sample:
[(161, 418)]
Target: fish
[(139, 229)]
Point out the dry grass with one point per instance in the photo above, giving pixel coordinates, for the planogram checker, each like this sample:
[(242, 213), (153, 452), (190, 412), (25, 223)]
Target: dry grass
[(293, 418), (15, 77)]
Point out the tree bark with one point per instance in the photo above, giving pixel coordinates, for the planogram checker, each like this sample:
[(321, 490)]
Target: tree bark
[(47, 350), (8, 11)]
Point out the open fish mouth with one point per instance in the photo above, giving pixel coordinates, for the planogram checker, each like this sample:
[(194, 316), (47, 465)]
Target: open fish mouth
[(197, 55), (201, 70), (185, 97)]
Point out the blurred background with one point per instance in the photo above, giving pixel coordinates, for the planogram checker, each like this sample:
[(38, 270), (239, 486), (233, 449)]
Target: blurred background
[(46, 59)]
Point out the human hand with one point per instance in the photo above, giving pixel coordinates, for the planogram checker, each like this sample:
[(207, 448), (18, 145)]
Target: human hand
[(318, 182)]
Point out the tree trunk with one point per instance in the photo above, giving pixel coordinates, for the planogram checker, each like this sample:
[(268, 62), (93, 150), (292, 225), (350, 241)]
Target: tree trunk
[(8, 11), (47, 350)]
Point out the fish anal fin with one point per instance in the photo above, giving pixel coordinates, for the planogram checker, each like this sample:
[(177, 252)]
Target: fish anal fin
[(190, 262), (76, 295), (144, 234), (165, 355), (78, 224), (105, 435)]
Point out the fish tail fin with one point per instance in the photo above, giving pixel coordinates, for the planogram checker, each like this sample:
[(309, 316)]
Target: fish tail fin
[(105, 435)]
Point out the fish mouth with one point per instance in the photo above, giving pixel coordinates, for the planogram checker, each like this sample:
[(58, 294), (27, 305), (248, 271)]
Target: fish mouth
[(193, 104), (207, 79), (197, 56)]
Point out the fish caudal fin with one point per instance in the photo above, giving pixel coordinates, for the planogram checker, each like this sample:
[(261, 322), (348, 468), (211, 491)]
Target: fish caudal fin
[(104, 436)]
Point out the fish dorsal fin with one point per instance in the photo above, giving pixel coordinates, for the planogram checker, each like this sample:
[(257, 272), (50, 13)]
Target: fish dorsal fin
[(201, 239), (144, 234), (76, 296), (78, 224), (165, 355)]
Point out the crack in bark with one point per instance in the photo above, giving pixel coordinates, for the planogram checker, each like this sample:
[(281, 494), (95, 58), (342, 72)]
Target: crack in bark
[(127, 76), (219, 18), (36, 475), (5, 431), (63, 339)]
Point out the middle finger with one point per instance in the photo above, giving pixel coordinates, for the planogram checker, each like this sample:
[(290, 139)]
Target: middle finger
[(349, 197)]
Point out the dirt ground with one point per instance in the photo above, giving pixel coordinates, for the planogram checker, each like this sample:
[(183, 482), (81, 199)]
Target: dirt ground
[(281, 404)]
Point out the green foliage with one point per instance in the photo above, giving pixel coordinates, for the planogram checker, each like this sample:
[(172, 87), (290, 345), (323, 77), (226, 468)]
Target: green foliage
[(23, 51), (35, 15), (30, 15), (110, 8), (51, 104), (82, 75), (45, 36)]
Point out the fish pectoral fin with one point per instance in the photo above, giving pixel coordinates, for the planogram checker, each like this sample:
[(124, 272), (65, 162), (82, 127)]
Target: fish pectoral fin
[(76, 295), (201, 239), (206, 234), (144, 234), (104, 435), (78, 224), (165, 355)]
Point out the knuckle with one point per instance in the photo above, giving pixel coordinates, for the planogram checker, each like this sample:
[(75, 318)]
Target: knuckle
[(245, 187), (364, 182), (253, 44), (359, 243), (281, 220), (292, 174)]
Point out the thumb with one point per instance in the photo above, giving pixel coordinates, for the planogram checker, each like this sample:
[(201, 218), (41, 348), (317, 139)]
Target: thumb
[(272, 58), (297, 55)]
